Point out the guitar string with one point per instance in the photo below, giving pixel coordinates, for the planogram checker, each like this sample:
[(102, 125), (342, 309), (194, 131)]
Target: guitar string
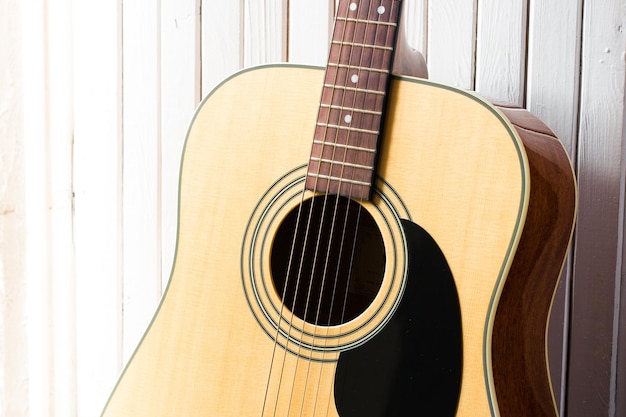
[(317, 248), (286, 284), (315, 257), (346, 215), (280, 319), (335, 215), (386, 31), (350, 185), (323, 217), (347, 209), (296, 290)]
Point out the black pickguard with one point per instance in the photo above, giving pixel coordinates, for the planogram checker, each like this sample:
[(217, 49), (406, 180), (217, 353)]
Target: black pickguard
[(413, 366)]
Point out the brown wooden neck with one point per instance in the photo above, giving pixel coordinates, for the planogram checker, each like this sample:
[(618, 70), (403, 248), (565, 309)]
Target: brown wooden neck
[(346, 140)]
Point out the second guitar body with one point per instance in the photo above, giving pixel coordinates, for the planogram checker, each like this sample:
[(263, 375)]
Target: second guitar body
[(460, 236)]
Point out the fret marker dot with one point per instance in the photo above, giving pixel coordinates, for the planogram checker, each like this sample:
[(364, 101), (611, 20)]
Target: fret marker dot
[(381, 10), (355, 78), (353, 6), (348, 118)]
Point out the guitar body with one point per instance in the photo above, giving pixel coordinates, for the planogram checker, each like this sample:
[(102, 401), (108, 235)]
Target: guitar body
[(453, 200)]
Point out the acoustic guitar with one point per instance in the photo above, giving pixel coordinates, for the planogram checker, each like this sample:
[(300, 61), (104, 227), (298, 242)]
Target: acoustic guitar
[(390, 249)]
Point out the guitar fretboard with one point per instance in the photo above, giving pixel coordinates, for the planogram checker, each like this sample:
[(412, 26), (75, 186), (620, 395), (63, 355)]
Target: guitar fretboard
[(343, 156)]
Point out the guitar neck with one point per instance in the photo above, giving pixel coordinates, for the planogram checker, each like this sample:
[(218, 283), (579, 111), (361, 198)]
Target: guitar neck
[(347, 135)]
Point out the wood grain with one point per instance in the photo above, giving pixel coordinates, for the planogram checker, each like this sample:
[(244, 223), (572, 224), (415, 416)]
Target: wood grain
[(35, 258), (59, 180), (201, 339), (520, 328), (452, 33), (346, 141), (415, 13), (600, 164), (265, 30), (13, 314), (186, 73), (98, 205), (141, 192), (53, 44), (222, 41), (501, 50), (310, 29), (553, 55), (409, 59)]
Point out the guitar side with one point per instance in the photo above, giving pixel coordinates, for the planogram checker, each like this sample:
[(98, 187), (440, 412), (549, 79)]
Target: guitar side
[(520, 339), (457, 166)]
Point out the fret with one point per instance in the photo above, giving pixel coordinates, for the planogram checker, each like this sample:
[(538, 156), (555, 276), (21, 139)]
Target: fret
[(366, 21), (349, 128), (346, 164), (346, 139), (344, 146), (363, 45), (351, 109), (338, 179), (358, 68), (355, 89)]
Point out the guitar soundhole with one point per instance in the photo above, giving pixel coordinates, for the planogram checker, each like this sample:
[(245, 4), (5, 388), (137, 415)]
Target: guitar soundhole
[(328, 260)]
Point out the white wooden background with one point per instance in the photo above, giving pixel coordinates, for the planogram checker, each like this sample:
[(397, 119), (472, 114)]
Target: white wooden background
[(95, 100)]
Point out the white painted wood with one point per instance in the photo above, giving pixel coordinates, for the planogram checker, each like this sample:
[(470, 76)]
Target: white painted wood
[(222, 41), (265, 27), (553, 95), (553, 66), (13, 290), (501, 50), (59, 179), (141, 169), (310, 31), (416, 17), (38, 360), (180, 92), (97, 72), (601, 169), (452, 42)]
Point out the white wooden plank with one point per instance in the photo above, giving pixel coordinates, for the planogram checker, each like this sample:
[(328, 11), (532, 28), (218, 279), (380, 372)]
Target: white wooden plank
[(554, 66), (49, 256), (97, 185), (265, 37), (180, 94), (416, 17), (594, 331), (310, 29), (553, 95), (501, 50), (13, 289), (60, 151), (222, 41), (37, 260), (451, 42), (141, 171)]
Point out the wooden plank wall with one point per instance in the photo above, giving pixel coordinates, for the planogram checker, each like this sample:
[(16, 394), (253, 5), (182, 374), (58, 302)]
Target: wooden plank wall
[(95, 100)]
